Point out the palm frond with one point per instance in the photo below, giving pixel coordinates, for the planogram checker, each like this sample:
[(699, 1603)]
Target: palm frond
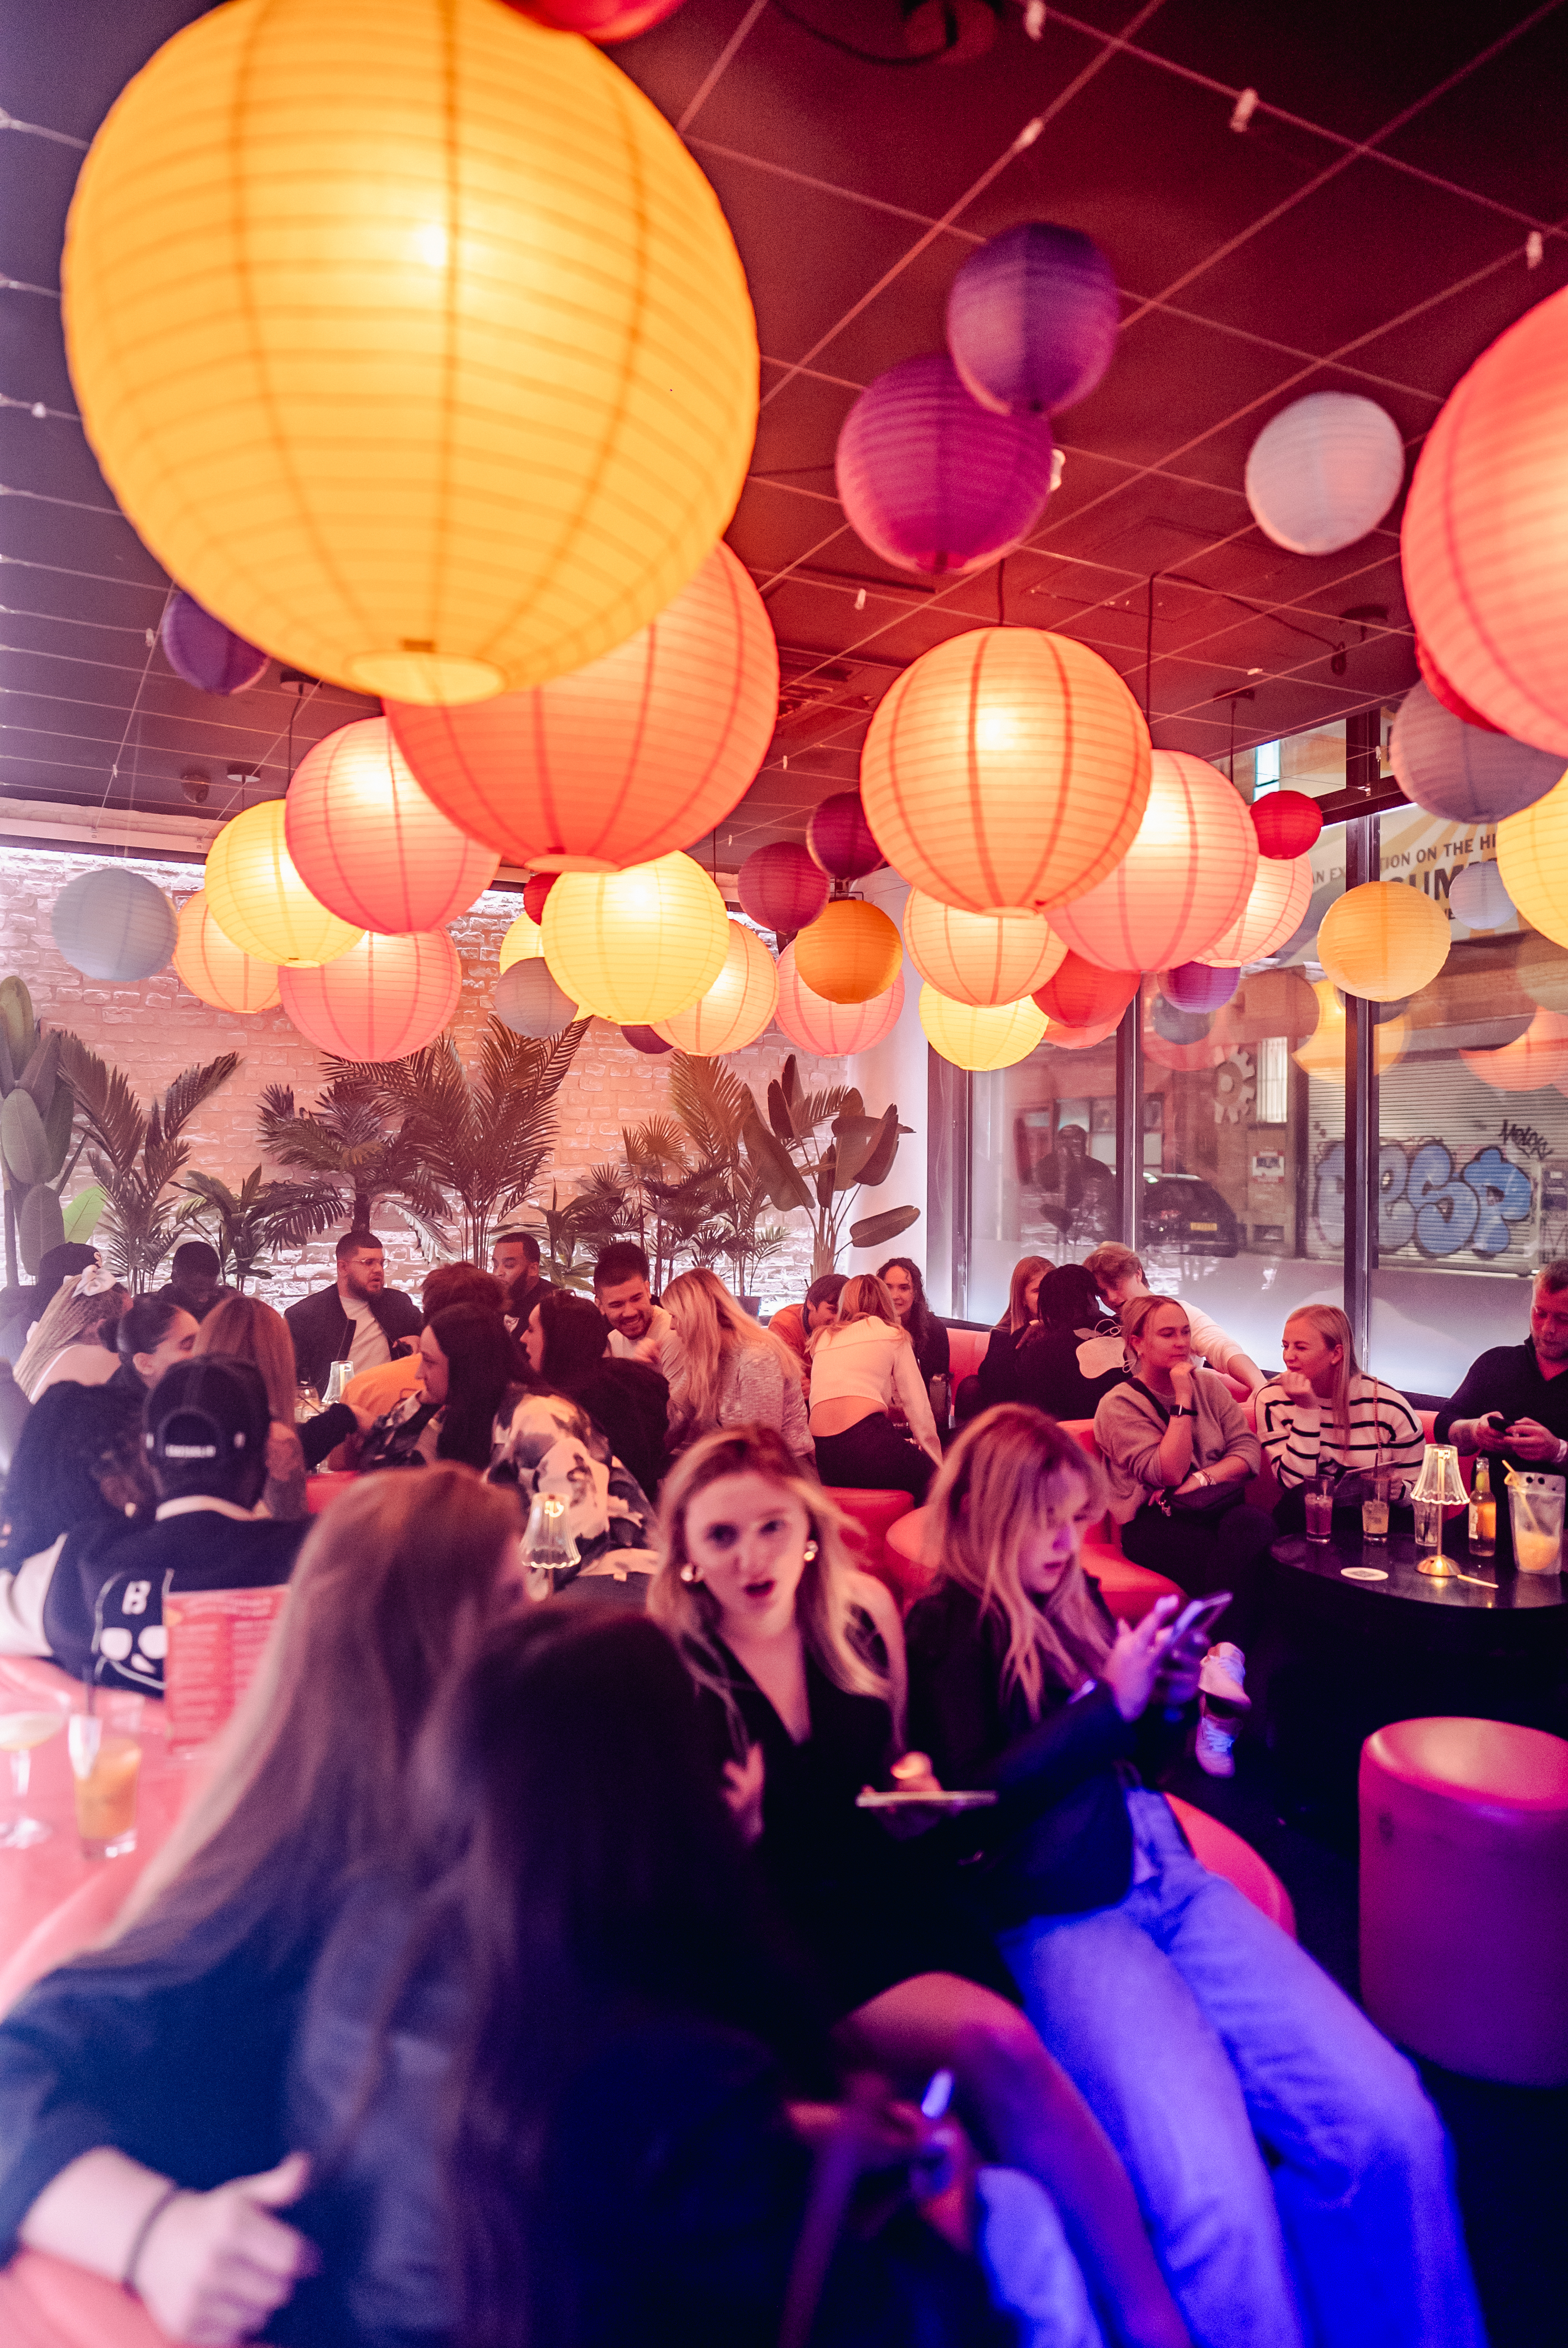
[(712, 1103), (106, 1106), (190, 1087)]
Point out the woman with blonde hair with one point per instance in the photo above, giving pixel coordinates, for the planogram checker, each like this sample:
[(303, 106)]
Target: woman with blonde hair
[(780, 1636), (255, 1331), (860, 1362), (728, 1371), (142, 2134), (1324, 1417), (1293, 2172), (74, 1341)]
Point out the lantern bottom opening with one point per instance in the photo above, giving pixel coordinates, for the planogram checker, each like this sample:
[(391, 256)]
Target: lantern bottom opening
[(425, 677)]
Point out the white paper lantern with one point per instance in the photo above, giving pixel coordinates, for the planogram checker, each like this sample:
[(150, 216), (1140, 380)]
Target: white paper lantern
[(529, 1001), (113, 924), (1463, 773), (1325, 471), (1479, 899)]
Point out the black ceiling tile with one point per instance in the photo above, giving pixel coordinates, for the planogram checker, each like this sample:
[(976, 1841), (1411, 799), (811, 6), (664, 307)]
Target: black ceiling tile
[(33, 350), (671, 63), (64, 66), (1500, 131), (771, 528), (49, 589), (797, 431), (1172, 380), (1435, 349), (907, 317)]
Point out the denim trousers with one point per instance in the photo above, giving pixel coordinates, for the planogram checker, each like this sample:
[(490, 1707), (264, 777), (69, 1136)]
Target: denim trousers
[(1296, 2181)]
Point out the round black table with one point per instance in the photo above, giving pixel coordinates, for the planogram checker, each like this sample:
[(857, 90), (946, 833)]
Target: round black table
[(1377, 1584)]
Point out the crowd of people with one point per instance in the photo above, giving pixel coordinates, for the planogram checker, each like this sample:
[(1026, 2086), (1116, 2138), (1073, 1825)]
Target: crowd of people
[(610, 1978)]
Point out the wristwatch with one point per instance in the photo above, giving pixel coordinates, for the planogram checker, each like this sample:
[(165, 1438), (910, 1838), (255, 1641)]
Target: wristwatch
[(1187, 1410)]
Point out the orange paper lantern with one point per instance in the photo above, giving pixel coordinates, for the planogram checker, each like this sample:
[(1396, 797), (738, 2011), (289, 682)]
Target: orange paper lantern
[(737, 1007), (215, 969), (258, 901), (830, 1030), (851, 951), (385, 997), (1007, 767), (981, 1036), (979, 958), (523, 942), (1184, 881), (370, 845), (619, 763), (1274, 909), (1323, 1054), (1383, 941), (1081, 995), (637, 946), (1534, 1060)]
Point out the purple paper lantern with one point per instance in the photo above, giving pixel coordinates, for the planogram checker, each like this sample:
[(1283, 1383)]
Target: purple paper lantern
[(1460, 773), (840, 841), (647, 1039), (1032, 319), (781, 888), (932, 482), (1199, 987), (1179, 1027), (205, 652)]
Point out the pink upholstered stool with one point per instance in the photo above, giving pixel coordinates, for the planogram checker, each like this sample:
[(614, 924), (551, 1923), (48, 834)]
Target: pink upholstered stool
[(1224, 1852), (871, 1514), (1464, 1896), (907, 1575)]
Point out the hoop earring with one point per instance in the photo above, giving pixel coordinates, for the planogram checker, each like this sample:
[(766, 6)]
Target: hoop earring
[(690, 1575), (809, 1552)]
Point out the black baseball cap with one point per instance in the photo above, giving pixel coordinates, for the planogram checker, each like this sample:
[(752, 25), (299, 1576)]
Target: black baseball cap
[(209, 1412)]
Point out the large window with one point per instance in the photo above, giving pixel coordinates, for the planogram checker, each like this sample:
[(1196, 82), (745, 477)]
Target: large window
[(1043, 1179)]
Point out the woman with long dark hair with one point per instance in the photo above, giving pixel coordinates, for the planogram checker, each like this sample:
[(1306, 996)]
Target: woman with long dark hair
[(565, 1341), (1058, 1361), (902, 1278), (467, 1364)]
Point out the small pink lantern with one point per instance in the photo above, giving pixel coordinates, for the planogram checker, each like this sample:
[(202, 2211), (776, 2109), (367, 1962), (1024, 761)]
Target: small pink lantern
[(930, 480), (830, 1029), (382, 999)]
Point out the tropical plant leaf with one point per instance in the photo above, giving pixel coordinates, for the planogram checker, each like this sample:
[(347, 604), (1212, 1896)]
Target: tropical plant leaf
[(877, 1163), (81, 1216), (23, 1141), (712, 1103), (785, 1185), (779, 1115), (854, 1137), (40, 1225), (793, 1091), (41, 1076), (21, 1026), (59, 1117), (108, 1109), (876, 1230)]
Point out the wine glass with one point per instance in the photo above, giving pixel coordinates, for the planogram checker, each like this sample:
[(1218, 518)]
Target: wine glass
[(549, 1548), (19, 1733)]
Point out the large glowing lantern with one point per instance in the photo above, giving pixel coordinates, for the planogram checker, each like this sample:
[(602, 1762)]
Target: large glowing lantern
[(1275, 907), (1325, 471), (1006, 767), (1534, 1060), (782, 887), (737, 1007), (1462, 773), (1185, 879), (850, 952), (410, 338), (1532, 857), (113, 924), (384, 997), (1032, 319), (639, 753), (259, 900), (1323, 1054), (930, 480), (367, 841), (832, 1029), (215, 969), (979, 958), (1080, 994), (980, 1036), (636, 946), (1485, 525), (1383, 941), (529, 1003), (524, 942)]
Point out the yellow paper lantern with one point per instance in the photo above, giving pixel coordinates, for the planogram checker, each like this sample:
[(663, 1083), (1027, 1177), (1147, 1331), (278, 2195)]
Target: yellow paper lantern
[(1323, 1054), (215, 969), (259, 900), (981, 1035), (1383, 941), (850, 952), (979, 958), (737, 1007), (1533, 859), (411, 339), (523, 942), (640, 945)]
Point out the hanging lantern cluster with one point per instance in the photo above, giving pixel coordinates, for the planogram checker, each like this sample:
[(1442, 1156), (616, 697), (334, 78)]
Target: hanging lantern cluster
[(1185, 878)]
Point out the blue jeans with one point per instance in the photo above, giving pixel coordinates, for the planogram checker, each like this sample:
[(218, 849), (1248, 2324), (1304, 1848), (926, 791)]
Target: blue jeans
[(1295, 2178)]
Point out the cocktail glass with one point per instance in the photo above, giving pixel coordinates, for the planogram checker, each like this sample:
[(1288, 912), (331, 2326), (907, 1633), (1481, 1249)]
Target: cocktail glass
[(106, 1765), (1319, 1501), (20, 1732)]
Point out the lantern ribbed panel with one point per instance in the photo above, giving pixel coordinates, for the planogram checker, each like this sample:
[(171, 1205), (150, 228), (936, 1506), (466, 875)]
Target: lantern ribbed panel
[(205, 652), (1478, 898), (1324, 471), (1534, 1060), (1462, 772), (113, 924), (1198, 986), (259, 900), (410, 338), (1532, 858), (1437, 683), (529, 1003), (979, 958), (1485, 527), (1080, 994), (980, 1036), (850, 953), (829, 1029), (738, 1006), (637, 946), (1007, 767), (368, 842), (1287, 823), (1383, 941), (638, 753), (524, 942), (214, 968), (1184, 881), (932, 482), (384, 997), (780, 887), (1274, 909), (1032, 319)]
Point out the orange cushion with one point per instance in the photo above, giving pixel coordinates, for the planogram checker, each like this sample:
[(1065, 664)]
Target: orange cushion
[(47, 2304), (966, 1351), (1224, 1853)]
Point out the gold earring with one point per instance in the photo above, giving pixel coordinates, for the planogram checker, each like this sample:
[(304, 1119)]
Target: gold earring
[(809, 1552), (688, 1574)]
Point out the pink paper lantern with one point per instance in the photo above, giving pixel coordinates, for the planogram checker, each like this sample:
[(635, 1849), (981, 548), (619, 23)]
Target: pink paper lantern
[(782, 887), (602, 21), (369, 844), (382, 999), (1276, 908), (829, 1029), (930, 480), (1185, 878)]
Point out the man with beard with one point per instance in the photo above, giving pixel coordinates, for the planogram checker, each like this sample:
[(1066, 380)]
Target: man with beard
[(1513, 1402), (360, 1317)]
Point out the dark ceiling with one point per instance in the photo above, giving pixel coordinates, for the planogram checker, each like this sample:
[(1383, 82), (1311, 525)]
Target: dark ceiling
[(1366, 231)]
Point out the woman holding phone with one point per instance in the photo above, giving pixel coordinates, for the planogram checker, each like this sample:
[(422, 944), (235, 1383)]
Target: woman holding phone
[(1294, 2175)]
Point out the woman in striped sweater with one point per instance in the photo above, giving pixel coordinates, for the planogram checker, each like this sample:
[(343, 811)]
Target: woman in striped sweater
[(1324, 1417)]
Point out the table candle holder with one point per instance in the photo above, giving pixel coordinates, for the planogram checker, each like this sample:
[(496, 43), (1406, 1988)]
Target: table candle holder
[(1439, 1486)]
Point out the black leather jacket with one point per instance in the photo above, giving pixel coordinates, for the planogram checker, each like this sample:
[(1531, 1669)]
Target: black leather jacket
[(323, 1332)]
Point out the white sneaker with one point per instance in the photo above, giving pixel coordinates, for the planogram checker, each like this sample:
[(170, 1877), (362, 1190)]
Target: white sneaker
[(1223, 1699), (1224, 1674)]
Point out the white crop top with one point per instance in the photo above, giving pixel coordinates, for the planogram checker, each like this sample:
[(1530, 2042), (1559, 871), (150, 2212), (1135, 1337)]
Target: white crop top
[(868, 1362)]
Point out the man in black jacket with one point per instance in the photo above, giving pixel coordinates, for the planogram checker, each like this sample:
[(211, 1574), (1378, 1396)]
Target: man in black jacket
[(361, 1317)]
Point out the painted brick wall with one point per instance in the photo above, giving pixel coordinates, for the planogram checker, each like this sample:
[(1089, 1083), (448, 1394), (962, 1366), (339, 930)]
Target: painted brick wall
[(155, 1028)]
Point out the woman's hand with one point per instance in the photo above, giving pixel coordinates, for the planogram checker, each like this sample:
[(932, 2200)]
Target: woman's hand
[(1297, 1386), (1182, 1384), (1134, 1665), (744, 1782), (215, 2265)]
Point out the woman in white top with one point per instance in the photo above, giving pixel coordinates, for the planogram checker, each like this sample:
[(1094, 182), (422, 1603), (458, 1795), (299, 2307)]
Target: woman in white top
[(1324, 1417), (859, 1363), (726, 1369)]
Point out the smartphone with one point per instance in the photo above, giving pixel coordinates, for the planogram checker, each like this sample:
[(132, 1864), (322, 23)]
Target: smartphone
[(943, 1800), (938, 2094), (1199, 1617)]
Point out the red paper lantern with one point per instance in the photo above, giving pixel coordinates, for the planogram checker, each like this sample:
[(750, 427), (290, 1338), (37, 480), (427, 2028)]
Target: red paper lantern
[(781, 888), (839, 839), (647, 1039), (382, 999), (601, 20), (829, 1029), (1185, 878), (1286, 824), (367, 842), (1083, 994), (1438, 685), (535, 888), (1079, 1039), (623, 761)]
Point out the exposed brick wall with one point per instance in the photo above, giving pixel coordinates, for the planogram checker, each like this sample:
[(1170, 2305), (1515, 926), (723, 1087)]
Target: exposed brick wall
[(153, 1029)]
